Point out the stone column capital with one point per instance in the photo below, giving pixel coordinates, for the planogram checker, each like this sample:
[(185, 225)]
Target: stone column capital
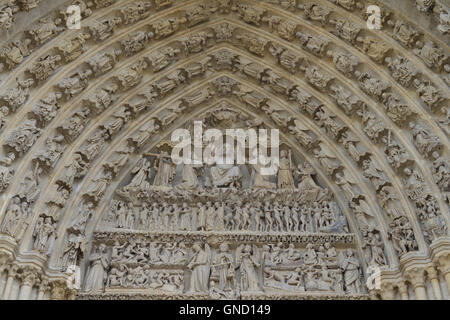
[(431, 272), (13, 270), (30, 277), (58, 290), (416, 276), (387, 291), (403, 290), (443, 263), (44, 284)]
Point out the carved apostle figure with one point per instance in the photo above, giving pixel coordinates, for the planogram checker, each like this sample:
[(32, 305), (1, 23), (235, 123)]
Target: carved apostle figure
[(351, 268), (223, 266), (97, 274), (44, 235), (199, 265), (247, 263)]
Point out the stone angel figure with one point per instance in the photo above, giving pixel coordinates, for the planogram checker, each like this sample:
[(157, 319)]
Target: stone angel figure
[(327, 159), (300, 132), (248, 263), (347, 182), (199, 264)]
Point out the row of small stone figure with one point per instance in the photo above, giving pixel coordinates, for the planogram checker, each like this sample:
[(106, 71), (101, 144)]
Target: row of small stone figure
[(143, 277), (280, 254), (148, 253), (225, 217)]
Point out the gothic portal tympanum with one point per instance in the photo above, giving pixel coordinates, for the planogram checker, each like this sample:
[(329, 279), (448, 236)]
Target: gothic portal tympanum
[(92, 205)]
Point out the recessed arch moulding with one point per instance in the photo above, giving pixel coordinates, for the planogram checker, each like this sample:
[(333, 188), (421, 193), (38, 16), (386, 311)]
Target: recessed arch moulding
[(92, 206)]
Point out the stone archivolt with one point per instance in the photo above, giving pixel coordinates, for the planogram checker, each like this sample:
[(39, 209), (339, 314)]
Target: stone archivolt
[(364, 113)]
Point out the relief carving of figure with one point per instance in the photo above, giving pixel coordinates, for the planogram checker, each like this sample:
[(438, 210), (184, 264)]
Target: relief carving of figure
[(75, 47), (344, 62), (223, 268), (299, 131), (431, 54), (94, 145), (24, 137), (132, 75), (75, 83), (351, 267), (6, 172), (97, 273), (72, 127), (327, 159), (285, 178), (45, 29), (48, 156), (402, 69), (145, 132), (7, 11), (317, 45), (76, 169), (46, 109), (15, 52), (17, 96), (199, 265), (103, 62), (431, 96), (44, 66), (136, 42), (44, 235), (247, 263), (345, 29), (102, 30), (425, 140), (164, 170), (140, 180)]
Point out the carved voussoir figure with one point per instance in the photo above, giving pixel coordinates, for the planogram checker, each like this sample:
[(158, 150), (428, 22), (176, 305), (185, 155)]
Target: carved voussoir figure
[(44, 67), (24, 137), (102, 30), (44, 235)]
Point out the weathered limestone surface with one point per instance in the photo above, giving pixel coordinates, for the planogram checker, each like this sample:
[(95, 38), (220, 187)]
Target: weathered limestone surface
[(92, 207)]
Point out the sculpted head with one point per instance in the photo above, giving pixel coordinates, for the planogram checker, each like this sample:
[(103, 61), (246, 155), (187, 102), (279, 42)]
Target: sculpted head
[(407, 171), (196, 247), (223, 247), (102, 247)]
